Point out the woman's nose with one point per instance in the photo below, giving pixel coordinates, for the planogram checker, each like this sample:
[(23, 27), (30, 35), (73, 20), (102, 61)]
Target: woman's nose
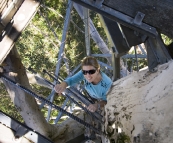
[(87, 74)]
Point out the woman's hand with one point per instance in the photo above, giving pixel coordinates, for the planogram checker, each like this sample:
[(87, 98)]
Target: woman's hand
[(59, 88), (92, 107), (97, 106)]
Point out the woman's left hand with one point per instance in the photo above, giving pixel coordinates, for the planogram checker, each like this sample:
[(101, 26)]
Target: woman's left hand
[(92, 107)]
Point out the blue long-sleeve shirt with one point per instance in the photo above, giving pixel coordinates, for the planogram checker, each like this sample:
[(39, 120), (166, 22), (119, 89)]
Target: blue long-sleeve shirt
[(97, 91)]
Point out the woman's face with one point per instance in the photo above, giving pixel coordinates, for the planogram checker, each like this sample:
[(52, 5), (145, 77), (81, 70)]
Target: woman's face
[(90, 73)]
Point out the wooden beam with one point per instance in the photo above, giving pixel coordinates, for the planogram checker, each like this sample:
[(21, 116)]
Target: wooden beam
[(121, 18), (158, 13), (8, 9), (20, 21)]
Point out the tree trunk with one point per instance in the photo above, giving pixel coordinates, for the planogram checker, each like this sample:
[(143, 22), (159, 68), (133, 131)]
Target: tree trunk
[(28, 108), (25, 104), (37, 79), (141, 105)]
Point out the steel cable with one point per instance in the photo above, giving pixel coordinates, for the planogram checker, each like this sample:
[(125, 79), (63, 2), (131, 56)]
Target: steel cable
[(50, 104)]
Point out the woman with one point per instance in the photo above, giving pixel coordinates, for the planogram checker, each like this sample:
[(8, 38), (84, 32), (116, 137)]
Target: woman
[(96, 82)]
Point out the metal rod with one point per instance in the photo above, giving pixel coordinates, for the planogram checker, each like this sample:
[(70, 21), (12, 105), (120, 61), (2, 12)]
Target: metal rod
[(60, 55), (87, 31), (136, 56)]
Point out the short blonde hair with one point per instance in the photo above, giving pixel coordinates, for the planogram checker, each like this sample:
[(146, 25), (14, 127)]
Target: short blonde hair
[(90, 61)]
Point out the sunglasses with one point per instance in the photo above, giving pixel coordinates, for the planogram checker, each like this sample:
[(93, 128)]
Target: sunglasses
[(89, 72)]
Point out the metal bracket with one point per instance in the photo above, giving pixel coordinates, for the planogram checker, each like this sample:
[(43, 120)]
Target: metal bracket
[(98, 3), (7, 29), (138, 18), (120, 17), (20, 131)]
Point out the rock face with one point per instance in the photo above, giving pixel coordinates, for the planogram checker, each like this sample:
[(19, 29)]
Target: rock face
[(141, 105)]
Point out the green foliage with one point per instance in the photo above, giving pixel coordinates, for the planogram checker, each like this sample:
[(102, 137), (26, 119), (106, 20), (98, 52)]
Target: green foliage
[(40, 42), (58, 100), (132, 64), (166, 39), (123, 138), (7, 106)]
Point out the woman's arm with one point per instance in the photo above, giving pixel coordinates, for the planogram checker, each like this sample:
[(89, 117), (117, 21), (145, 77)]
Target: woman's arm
[(75, 78), (59, 88)]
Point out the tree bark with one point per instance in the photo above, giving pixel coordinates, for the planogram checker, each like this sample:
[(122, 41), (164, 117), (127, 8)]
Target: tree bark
[(37, 79), (28, 108), (25, 104), (141, 105)]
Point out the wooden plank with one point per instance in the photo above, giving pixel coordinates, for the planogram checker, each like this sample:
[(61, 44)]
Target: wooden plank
[(3, 5), (9, 10), (158, 13), (21, 19), (21, 130)]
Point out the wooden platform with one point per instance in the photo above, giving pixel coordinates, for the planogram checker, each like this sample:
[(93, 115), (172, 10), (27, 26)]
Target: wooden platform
[(7, 10), (158, 13)]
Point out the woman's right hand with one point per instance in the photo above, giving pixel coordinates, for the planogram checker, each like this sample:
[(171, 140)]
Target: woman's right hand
[(59, 88), (93, 107)]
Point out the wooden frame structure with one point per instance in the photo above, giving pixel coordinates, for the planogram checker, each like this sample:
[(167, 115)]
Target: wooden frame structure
[(126, 25)]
